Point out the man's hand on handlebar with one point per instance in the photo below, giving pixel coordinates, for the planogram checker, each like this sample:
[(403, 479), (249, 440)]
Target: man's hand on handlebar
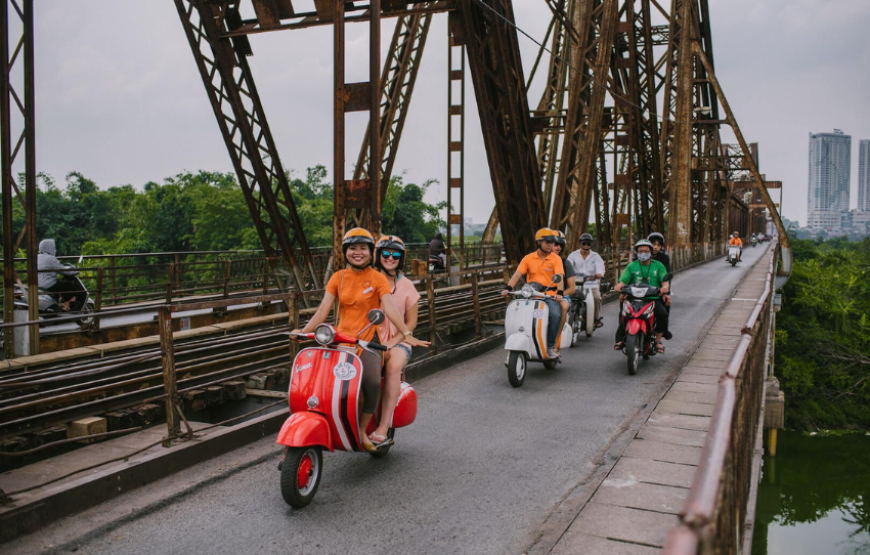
[(619, 286)]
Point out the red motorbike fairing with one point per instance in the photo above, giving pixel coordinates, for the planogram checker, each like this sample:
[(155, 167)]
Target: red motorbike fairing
[(635, 326), (406, 408), (327, 381)]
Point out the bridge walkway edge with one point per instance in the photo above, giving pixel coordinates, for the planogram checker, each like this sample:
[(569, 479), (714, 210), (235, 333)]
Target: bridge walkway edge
[(637, 502)]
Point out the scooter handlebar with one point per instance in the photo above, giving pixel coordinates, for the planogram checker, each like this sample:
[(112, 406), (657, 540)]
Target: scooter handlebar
[(375, 346)]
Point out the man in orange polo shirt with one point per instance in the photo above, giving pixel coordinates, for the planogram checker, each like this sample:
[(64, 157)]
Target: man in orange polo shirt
[(539, 268)]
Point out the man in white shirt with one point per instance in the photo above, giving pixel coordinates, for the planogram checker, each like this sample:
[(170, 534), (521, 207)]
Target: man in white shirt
[(587, 262)]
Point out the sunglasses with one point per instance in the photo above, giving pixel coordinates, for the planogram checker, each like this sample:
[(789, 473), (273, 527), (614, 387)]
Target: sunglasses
[(394, 255), (585, 244)]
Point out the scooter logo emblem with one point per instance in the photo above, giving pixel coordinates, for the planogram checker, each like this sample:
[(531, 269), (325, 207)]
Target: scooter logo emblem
[(344, 371), (538, 313), (313, 401)]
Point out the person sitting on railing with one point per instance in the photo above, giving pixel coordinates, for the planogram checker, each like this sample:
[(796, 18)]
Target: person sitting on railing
[(49, 266), (359, 288), (540, 267), (570, 284), (390, 260), (588, 262)]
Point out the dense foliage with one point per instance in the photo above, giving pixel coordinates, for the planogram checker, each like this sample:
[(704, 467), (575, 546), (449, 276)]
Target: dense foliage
[(823, 336), (202, 211)]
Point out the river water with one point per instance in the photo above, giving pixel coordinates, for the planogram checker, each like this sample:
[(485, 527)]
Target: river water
[(814, 497)]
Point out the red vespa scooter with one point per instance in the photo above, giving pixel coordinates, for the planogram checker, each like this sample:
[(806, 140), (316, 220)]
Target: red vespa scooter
[(325, 391)]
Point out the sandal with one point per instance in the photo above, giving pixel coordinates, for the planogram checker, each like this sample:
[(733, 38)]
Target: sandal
[(620, 345), (599, 324), (660, 348), (377, 438)]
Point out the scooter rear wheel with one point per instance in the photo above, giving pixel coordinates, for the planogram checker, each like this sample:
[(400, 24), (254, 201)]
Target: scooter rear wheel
[(632, 351), (300, 475), (516, 368), (87, 314)]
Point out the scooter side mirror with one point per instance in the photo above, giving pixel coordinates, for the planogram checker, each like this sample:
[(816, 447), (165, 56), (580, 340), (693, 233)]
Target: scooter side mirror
[(668, 276), (376, 317), (557, 278)]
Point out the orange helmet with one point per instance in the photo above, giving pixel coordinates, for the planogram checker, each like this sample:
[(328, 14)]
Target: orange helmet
[(546, 234), (357, 235)]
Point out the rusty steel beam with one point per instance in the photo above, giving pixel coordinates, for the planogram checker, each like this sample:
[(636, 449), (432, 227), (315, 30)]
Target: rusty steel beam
[(223, 66), (357, 202), (401, 68), (487, 28), (455, 147), (590, 55), (23, 95)]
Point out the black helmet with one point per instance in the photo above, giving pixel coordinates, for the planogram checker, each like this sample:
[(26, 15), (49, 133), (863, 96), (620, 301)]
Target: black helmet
[(560, 239), (393, 243), (656, 236), (585, 237)]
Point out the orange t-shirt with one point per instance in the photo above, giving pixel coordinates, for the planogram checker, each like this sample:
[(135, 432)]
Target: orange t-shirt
[(357, 291), (542, 270), (735, 242)]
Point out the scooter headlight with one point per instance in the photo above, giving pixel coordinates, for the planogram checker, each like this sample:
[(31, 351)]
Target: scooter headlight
[(324, 334), (527, 291), (639, 292)]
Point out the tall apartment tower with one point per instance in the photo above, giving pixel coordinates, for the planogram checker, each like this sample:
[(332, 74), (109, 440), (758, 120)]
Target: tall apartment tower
[(864, 176), (829, 173)]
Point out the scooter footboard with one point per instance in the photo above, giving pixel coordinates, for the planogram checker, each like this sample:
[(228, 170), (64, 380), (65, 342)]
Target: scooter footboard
[(406, 408), (305, 428)]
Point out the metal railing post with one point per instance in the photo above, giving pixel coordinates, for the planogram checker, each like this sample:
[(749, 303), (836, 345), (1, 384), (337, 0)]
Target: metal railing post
[(430, 297), (293, 322), (170, 383), (227, 272), (98, 300), (169, 274), (475, 296)]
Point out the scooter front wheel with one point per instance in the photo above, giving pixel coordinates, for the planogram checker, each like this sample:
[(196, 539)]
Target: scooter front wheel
[(632, 350), (516, 368), (87, 314), (300, 475)]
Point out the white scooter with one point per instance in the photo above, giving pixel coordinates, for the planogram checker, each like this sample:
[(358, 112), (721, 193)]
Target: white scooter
[(733, 255), (582, 317), (525, 327)]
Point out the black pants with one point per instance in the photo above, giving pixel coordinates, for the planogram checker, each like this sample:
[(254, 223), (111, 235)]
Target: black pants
[(66, 289), (371, 380), (661, 320)]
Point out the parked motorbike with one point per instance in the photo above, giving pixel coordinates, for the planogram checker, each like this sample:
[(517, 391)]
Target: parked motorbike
[(525, 326), (638, 311), (50, 302), (582, 316), (324, 398), (733, 255)]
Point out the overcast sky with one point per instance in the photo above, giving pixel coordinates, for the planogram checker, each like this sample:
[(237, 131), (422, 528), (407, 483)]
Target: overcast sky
[(120, 100)]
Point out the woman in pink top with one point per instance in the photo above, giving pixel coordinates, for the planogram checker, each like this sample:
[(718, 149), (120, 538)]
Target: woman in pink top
[(389, 259)]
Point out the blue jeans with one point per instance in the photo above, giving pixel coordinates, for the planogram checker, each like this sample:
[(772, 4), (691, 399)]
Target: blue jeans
[(553, 319)]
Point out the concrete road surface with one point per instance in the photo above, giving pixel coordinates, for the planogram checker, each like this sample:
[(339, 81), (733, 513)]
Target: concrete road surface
[(486, 468)]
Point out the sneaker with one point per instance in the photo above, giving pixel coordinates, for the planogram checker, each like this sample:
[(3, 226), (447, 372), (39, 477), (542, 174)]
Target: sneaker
[(551, 353)]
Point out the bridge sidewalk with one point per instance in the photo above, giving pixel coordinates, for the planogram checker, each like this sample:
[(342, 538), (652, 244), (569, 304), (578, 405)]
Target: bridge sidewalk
[(638, 502)]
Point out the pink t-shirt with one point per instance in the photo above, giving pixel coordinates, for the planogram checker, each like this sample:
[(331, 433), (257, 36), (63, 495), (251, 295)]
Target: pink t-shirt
[(405, 296)]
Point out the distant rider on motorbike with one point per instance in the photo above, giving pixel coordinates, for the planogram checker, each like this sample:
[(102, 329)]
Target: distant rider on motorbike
[(359, 288), (437, 249), (49, 266), (587, 262), (570, 284), (735, 241), (649, 271), (539, 268), (390, 259)]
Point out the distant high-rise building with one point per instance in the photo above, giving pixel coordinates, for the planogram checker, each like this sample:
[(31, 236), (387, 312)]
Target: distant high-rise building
[(864, 176), (829, 171)]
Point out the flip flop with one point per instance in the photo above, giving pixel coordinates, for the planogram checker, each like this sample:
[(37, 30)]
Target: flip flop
[(599, 324), (377, 438), (619, 346), (660, 348)]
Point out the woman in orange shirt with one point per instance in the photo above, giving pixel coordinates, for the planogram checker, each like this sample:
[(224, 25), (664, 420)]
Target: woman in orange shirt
[(359, 288)]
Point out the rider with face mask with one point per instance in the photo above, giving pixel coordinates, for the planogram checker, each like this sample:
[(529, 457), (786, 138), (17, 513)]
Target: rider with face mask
[(659, 254), (652, 272), (587, 262)]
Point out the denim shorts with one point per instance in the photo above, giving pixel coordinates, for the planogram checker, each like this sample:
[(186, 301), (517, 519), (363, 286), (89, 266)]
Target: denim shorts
[(406, 350)]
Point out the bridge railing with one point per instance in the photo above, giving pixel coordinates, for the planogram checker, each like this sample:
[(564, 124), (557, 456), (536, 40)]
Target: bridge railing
[(711, 521)]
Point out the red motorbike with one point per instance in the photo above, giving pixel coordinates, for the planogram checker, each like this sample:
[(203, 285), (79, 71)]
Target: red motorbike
[(324, 397), (638, 312)]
